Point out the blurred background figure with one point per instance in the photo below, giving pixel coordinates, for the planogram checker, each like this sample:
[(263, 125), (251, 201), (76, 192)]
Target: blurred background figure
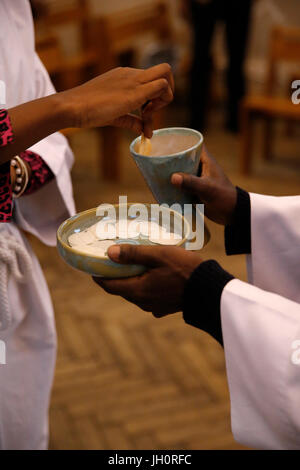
[(204, 14)]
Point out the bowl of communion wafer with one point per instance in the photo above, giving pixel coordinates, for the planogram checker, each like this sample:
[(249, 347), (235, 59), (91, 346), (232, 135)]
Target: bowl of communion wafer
[(83, 240)]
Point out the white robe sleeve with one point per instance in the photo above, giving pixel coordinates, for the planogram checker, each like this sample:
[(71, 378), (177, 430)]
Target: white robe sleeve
[(261, 333), (261, 330), (275, 244), (41, 213)]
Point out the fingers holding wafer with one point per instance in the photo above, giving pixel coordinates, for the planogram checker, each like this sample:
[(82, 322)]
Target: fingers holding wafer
[(159, 71), (145, 146)]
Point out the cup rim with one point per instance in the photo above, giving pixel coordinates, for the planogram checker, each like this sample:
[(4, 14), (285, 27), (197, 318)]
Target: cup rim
[(178, 154)]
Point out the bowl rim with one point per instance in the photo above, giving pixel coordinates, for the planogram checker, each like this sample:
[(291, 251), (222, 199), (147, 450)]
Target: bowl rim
[(105, 258), (178, 154)]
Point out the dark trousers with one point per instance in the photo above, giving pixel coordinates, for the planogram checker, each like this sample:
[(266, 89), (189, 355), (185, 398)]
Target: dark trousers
[(236, 16)]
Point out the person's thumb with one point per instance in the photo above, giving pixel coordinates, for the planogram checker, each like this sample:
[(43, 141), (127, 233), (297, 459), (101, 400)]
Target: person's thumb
[(198, 185), (134, 254)]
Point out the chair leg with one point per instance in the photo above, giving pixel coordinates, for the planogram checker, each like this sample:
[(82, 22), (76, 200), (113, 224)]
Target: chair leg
[(110, 162), (267, 139), (246, 140)]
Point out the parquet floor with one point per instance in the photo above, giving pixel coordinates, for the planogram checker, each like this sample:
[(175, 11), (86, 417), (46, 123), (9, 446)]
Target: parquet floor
[(125, 380)]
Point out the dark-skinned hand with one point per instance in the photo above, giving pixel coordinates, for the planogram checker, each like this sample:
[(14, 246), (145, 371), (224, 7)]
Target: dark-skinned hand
[(160, 289), (212, 188)]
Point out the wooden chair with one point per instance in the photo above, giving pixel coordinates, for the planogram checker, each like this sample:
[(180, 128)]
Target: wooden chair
[(66, 71), (104, 39), (115, 34), (285, 47)]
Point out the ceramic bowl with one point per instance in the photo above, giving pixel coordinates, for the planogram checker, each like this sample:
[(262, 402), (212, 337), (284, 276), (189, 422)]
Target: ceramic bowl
[(102, 266)]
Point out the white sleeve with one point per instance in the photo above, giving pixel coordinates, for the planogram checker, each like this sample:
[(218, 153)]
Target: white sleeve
[(40, 213), (261, 333), (275, 244)]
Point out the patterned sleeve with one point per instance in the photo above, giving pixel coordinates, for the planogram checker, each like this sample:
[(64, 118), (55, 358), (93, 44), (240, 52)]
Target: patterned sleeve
[(40, 172), (6, 132), (6, 202), (6, 137)]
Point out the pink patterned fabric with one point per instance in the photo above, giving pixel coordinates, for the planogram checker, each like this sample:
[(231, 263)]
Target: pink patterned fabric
[(6, 137), (6, 133), (40, 172), (6, 202)]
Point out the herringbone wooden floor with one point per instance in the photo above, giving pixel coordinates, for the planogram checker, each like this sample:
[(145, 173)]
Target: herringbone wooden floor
[(125, 380)]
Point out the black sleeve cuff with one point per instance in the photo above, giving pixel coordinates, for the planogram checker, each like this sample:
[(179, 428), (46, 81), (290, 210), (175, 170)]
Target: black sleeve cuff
[(202, 298), (238, 233)]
